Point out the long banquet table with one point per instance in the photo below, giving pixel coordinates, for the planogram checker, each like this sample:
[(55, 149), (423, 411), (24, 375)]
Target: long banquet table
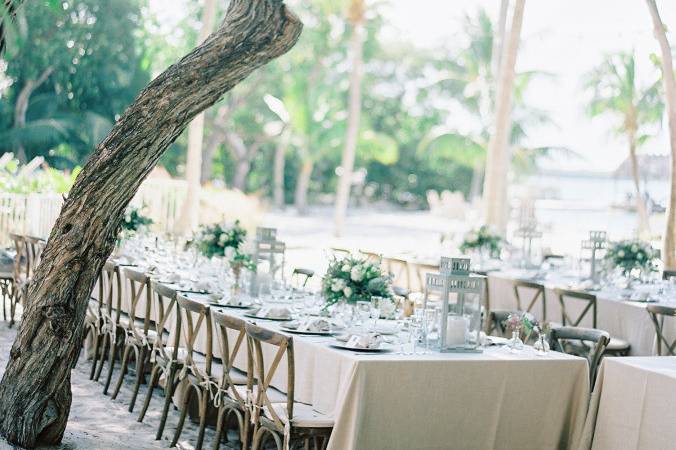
[(627, 320), (632, 405), (492, 400)]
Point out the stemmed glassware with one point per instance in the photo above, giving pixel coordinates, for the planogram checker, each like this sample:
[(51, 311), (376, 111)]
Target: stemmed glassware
[(376, 303), (364, 312)]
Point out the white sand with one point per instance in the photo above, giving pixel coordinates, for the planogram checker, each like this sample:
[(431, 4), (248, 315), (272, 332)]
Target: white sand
[(97, 422)]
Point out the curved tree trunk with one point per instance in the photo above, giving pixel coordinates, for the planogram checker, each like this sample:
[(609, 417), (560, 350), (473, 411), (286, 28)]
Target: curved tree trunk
[(35, 390), (21, 107), (495, 196), (669, 242), (303, 185), (278, 169), (189, 218), (643, 223), (354, 113)]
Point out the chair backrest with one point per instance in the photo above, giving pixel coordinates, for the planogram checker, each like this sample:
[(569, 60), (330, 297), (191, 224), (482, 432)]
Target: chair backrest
[(668, 274), (658, 313), (22, 259), (164, 305), (301, 276), (265, 372), (225, 323), (371, 256), (400, 271), (567, 298), (111, 282), (34, 248), (537, 292), (562, 339), (339, 251), (421, 270), (192, 317), (139, 293)]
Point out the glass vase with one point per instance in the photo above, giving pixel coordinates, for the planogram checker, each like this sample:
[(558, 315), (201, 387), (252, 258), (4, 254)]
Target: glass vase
[(515, 343), (541, 346)]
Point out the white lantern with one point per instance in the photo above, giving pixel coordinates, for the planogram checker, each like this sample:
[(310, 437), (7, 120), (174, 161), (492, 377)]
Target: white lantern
[(461, 298)]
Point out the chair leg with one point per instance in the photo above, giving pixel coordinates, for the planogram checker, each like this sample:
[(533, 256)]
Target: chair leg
[(102, 357), (219, 428), (123, 371), (258, 433), (203, 400), (111, 364), (168, 393), (153, 381), (181, 420), (95, 357), (246, 425), (140, 368)]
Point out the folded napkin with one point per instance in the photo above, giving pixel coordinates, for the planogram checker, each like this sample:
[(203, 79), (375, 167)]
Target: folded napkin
[(274, 312), (234, 300), (312, 325), (366, 341)]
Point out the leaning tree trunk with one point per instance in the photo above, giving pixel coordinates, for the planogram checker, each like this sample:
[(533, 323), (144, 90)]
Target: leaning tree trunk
[(669, 242), (21, 107), (643, 223), (303, 185), (354, 113), (278, 168), (35, 391), (497, 164), (189, 218)]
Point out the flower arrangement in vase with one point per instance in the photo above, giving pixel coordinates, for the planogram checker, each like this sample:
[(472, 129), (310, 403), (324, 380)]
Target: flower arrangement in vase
[(133, 221), (214, 240), (632, 257), (352, 279), (238, 261), (482, 240)]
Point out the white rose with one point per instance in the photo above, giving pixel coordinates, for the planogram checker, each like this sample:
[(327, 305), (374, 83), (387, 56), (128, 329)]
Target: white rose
[(620, 253), (345, 268), (347, 292), (337, 285), (229, 252), (634, 248), (357, 274), (221, 240)]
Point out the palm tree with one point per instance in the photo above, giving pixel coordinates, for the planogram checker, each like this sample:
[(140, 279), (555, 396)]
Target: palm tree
[(615, 92), (190, 210), (669, 242), (356, 19)]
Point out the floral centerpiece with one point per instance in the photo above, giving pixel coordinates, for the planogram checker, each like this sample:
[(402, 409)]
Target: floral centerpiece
[(215, 240), (353, 279), (483, 239), (133, 221), (238, 261), (631, 256)]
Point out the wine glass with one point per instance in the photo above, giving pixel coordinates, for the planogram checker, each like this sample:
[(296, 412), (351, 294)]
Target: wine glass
[(376, 303), (364, 312), (431, 317), (416, 327)]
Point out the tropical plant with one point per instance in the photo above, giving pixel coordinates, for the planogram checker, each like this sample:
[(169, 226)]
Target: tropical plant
[(34, 177), (353, 279), (614, 91)]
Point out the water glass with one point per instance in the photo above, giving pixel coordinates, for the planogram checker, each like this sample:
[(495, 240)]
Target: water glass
[(364, 312)]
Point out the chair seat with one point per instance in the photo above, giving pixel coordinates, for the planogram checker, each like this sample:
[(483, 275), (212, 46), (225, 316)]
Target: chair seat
[(303, 416), (274, 395), (616, 345), (6, 274)]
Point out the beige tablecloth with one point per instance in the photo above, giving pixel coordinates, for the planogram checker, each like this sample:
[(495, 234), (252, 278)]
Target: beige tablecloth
[(622, 319), (493, 400), (632, 405)]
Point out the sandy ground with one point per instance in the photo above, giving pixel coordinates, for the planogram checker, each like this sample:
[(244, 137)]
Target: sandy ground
[(97, 422)]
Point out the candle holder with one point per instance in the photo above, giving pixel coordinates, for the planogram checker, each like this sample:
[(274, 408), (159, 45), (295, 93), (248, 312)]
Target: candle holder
[(461, 296), (598, 240), (269, 257), (528, 231)]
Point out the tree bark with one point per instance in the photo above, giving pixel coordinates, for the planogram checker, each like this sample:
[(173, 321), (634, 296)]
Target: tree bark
[(9, 13), (35, 390), (669, 242), (498, 158), (189, 219), (643, 223), (354, 113), (303, 185), (21, 107)]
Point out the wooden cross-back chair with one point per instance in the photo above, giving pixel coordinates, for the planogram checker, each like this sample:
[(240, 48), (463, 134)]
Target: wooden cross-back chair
[(21, 273), (575, 341), (234, 386), (372, 256), (94, 316), (34, 247), (399, 269), (340, 252), (166, 358), (658, 313), (301, 276), (588, 302), (421, 270), (192, 317), (113, 336), (537, 292), (136, 324), (286, 421)]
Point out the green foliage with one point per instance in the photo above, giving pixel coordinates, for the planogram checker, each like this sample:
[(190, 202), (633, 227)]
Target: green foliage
[(30, 179), (355, 279), (482, 239), (632, 254), (215, 240), (133, 220)]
